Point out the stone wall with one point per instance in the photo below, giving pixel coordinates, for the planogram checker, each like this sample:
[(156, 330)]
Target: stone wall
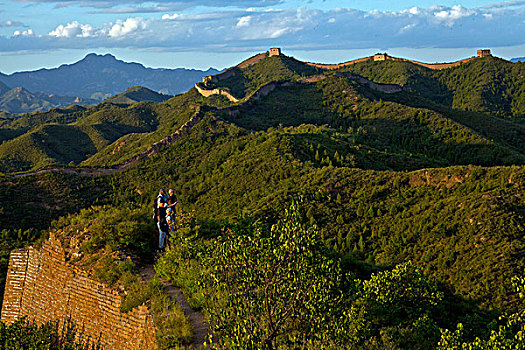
[(43, 286), (339, 65), (234, 70), (390, 58), (253, 60), (217, 91), (441, 65)]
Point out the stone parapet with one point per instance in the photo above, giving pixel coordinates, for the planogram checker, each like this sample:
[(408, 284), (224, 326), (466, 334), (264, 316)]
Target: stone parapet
[(44, 287)]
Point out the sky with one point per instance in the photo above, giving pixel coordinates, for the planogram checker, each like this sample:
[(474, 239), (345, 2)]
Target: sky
[(219, 33)]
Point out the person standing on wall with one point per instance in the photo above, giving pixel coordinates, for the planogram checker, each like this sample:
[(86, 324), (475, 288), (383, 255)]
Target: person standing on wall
[(170, 219), (162, 205), (172, 200)]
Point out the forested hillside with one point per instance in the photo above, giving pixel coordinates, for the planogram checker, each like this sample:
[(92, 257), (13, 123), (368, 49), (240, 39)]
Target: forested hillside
[(489, 84), (376, 129), (392, 212)]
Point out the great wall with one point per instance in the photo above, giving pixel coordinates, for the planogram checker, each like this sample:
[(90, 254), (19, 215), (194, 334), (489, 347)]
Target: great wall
[(385, 57), (204, 87), (43, 286)]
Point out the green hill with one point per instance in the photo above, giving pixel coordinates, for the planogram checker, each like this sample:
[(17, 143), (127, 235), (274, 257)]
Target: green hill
[(71, 136), (399, 130), (137, 94), (245, 81), (489, 84)]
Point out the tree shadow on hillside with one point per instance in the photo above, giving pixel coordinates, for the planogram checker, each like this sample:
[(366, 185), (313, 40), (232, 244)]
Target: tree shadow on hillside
[(506, 132), (237, 83), (421, 137), (285, 106)]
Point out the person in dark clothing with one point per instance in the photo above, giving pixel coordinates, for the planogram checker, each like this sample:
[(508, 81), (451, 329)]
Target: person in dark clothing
[(161, 217), (155, 213), (172, 200)]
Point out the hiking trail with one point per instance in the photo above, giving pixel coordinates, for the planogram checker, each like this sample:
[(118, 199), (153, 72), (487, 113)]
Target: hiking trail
[(195, 318)]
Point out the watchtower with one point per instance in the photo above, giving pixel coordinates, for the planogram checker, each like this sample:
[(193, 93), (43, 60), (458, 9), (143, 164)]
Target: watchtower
[(380, 57), (274, 51), (484, 53)]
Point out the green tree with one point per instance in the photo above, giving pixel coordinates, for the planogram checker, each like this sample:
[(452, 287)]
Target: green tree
[(399, 302), (275, 289), (510, 335)]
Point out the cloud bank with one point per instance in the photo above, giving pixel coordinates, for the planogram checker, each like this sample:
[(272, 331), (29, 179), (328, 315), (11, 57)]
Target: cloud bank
[(254, 28)]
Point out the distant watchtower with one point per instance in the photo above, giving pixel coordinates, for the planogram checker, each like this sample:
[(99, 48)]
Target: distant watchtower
[(484, 53), (274, 51), (380, 57)]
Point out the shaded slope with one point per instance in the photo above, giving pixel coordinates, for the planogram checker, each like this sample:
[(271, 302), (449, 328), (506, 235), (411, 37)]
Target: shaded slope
[(74, 142), (137, 94), (419, 135), (488, 84), (3, 88)]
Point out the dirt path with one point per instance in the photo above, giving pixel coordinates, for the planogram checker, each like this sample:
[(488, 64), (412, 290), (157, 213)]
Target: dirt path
[(195, 318)]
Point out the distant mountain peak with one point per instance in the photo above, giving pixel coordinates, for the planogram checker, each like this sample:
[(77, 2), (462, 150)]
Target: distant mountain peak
[(136, 94), (96, 55), (100, 76), (100, 61)]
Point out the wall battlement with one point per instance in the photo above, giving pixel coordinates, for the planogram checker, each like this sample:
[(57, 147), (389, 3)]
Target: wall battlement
[(43, 286), (377, 57), (386, 57)]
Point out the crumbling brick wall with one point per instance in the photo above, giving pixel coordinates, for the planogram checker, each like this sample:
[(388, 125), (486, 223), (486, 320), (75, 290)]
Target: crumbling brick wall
[(43, 286)]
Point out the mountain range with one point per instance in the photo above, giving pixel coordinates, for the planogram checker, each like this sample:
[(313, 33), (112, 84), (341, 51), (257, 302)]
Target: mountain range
[(518, 59), (390, 162), (460, 120), (20, 100), (98, 77)]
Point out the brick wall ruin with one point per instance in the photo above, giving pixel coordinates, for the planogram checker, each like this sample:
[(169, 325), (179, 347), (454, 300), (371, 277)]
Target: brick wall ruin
[(43, 286)]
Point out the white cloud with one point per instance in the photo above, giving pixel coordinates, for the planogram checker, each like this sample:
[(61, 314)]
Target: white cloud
[(414, 11), (303, 28), (122, 28), (271, 25), (12, 24), (280, 32), (170, 17), (451, 15), (73, 29), (244, 21), (197, 17), (28, 32), (407, 28)]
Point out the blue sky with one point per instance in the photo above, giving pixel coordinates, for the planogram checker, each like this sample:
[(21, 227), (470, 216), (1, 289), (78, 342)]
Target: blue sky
[(219, 33)]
